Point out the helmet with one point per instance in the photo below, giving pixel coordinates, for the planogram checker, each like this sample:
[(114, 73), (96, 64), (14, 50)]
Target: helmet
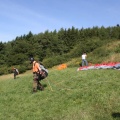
[(31, 60)]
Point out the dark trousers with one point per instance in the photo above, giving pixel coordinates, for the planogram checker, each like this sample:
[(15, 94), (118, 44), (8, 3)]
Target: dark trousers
[(36, 82), (15, 74)]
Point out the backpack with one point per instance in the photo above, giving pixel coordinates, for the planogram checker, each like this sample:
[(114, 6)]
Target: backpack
[(44, 72), (16, 72)]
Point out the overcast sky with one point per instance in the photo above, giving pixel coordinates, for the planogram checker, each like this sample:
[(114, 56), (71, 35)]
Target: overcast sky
[(18, 17)]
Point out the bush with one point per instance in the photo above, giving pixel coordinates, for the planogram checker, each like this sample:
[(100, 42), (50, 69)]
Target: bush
[(101, 52), (5, 70), (27, 65), (22, 69), (1, 71), (117, 49), (55, 60)]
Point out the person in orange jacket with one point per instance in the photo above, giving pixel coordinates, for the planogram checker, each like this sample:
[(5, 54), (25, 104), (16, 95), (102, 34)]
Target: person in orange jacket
[(36, 73)]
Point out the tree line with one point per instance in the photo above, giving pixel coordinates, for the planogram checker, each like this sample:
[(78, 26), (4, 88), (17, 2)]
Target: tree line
[(53, 47)]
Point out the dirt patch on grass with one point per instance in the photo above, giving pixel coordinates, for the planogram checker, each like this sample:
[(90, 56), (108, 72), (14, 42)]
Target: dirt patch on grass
[(5, 77), (10, 76)]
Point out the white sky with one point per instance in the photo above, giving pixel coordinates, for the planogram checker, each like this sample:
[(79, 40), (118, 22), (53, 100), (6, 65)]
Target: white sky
[(18, 17)]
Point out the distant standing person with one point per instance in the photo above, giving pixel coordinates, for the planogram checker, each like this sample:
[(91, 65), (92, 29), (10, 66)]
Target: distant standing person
[(84, 61), (16, 72)]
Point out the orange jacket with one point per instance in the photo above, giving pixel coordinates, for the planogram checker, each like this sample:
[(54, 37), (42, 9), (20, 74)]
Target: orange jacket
[(36, 67)]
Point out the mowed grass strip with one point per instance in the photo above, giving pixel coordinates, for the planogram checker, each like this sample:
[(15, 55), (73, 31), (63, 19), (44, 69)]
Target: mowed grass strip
[(68, 95)]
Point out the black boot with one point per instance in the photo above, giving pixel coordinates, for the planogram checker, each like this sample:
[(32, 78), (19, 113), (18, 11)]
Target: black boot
[(40, 87), (34, 90)]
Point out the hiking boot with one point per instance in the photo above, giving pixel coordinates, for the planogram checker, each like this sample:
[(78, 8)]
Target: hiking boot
[(34, 91), (41, 88)]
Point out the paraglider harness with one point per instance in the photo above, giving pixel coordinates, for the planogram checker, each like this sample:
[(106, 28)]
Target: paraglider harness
[(16, 72), (43, 73)]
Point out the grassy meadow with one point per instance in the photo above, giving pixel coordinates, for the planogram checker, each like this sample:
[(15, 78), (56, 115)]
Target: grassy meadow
[(69, 95)]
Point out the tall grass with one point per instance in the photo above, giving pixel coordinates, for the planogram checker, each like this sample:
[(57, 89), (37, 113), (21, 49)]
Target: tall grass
[(68, 95)]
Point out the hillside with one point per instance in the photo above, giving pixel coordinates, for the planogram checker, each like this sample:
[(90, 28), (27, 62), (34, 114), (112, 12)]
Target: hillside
[(68, 95), (109, 52), (56, 47), (105, 54)]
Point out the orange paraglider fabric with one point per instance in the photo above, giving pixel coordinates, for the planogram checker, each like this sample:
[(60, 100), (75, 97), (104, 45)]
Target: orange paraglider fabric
[(62, 66)]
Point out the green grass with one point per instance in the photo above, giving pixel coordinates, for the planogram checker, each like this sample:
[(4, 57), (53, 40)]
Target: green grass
[(68, 95)]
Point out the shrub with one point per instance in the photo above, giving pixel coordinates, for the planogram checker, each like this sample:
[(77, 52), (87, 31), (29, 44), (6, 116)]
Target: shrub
[(55, 60), (27, 65), (21, 69), (4, 70), (1, 71), (117, 49), (101, 52)]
